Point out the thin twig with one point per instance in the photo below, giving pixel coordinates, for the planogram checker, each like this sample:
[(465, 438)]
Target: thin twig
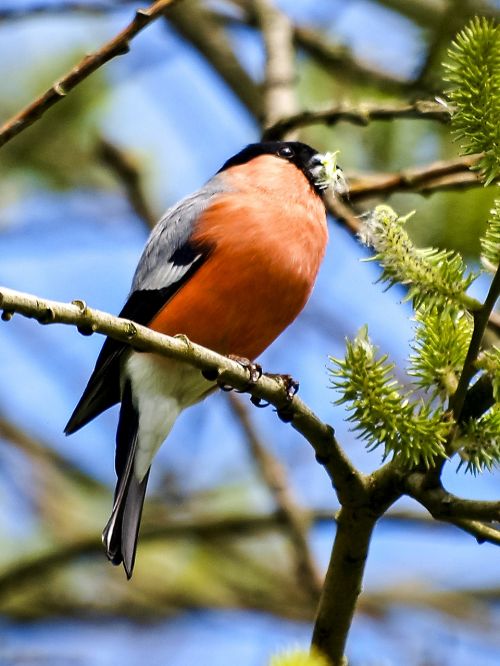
[(274, 476), (442, 33), (117, 46), (349, 482), (361, 114), (481, 532), (337, 60), (481, 318), (416, 179), (342, 212), (340, 62), (202, 29), (124, 168), (445, 506), (428, 13), (59, 8), (37, 449), (424, 12)]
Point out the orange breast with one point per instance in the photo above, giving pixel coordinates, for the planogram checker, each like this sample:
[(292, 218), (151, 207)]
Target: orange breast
[(267, 251)]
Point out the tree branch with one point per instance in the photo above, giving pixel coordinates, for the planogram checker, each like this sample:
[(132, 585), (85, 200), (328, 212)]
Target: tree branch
[(481, 532), (349, 482), (274, 476), (119, 45), (343, 582), (417, 179), (127, 174), (63, 7), (428, 13), (481, 318), (362, 114), (443, 505), (32, 568), (335, 59), (340, 62), (279, 78), (200, 27), (39, 450)]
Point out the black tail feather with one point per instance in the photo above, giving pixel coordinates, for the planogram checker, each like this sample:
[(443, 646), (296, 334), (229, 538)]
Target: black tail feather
[(120, 534)]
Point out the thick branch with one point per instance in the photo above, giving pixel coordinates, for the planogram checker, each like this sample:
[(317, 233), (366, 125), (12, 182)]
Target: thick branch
[(349, 482), (119, 45), (279, 77), (198, 25), (343, 583), (361, 114)]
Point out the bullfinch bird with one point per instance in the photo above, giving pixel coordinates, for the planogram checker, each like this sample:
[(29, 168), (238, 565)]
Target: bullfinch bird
[(230, 267)]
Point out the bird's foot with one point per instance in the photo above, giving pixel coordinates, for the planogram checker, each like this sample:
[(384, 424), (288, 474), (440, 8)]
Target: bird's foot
[(291, 386), (254, 373)]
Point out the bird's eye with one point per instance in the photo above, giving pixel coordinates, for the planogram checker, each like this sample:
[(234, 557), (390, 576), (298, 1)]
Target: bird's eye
[(286, 151)]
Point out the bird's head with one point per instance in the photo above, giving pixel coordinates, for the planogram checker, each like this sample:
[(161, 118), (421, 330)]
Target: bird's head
[(321, 169)]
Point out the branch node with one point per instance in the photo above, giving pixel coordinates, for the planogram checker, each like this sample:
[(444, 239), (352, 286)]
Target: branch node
[(59, 89), (7, 315), (81, 305), (258, 402), (184, 338), (286, 413), (322, 458), (131, 330), (85, 329), (211, 374), (142, 14), (121, 49), (47, 316)]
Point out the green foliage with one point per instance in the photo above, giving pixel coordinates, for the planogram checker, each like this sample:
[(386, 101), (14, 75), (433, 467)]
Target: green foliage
[(480, 442), (418, 430), (434, 277), (442, 338), (382, 412), (490, 242), (474, 72), (489, 361), (298, 658)]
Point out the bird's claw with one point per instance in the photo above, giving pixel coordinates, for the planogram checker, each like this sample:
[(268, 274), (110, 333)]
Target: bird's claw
[(291, 386), (254, 373), (258, 402)]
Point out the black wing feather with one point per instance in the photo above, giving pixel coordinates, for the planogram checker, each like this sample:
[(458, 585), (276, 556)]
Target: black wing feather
[(103, 388)]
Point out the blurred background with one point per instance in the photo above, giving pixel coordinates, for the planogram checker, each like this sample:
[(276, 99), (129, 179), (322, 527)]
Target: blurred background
[(223, 573)]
